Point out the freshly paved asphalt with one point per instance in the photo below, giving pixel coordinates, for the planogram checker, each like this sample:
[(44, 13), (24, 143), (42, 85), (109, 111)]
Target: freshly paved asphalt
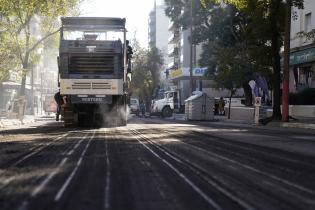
[(157, 164)]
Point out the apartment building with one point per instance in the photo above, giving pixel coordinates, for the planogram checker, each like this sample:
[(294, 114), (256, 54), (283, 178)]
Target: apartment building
[(158, 30), (302, 54)]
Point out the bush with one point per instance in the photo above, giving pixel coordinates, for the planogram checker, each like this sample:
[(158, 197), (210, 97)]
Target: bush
[(305, 97)]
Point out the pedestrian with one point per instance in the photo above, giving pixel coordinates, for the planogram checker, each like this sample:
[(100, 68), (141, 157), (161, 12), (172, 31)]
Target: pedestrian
[(142, 109), (221, 106), (59, 101), (129, 56)]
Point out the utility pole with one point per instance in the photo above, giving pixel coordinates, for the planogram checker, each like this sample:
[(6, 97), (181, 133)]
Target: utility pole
[(191, 48), (286, 64), (32, 89)]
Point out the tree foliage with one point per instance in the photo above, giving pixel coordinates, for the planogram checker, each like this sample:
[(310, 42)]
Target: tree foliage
[(25, 25), (8, 60), (274, 11), (146, 72), (224, 30), (252, 28)]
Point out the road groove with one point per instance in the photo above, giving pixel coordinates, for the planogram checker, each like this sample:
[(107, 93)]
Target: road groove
[(67, 182)]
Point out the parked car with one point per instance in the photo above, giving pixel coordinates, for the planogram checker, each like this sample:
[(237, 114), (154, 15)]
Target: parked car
[(134, 106)]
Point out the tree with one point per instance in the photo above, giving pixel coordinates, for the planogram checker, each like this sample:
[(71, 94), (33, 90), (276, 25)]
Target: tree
[(8, 59), (146, 72), (274, 11), (225, 34), (17, 19), (173, 10), (154, 64), (227, 79), (226, 28), (222, 29)]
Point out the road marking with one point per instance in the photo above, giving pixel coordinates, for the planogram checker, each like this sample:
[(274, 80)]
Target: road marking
[(187, 180), (57, 169), (254, 169), (42, 147), (68, 181), (108, 175), (222, 190), (39, 149), (283, 181)]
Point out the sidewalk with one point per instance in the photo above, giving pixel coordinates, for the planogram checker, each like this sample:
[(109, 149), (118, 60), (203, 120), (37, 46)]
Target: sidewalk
[(5, 122), (301, 122)]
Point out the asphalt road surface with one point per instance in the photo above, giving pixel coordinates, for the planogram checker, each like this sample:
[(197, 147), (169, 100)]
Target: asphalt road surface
[(156, 164)]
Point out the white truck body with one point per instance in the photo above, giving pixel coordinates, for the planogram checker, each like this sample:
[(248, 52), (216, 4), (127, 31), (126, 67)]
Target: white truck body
[(91, 86), (167, 105)]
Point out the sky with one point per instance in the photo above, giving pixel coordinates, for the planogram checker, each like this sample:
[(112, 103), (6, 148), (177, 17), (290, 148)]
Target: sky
[(136, 13)]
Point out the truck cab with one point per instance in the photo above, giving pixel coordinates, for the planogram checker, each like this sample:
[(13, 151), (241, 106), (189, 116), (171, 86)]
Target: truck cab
[(167, 105)]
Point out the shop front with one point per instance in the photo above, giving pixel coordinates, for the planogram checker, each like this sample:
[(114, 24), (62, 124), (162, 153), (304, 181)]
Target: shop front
[(181, 79), (302, 68)]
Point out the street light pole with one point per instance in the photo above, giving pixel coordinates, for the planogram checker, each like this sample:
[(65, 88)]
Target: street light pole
[(32, 89), (286, 64), (191, 48)]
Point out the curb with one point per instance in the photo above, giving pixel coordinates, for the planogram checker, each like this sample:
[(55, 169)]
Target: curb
[(273, 125), (298, 125)]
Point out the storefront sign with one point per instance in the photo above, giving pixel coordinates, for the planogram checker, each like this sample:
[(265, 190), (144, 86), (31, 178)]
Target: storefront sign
[(303, 56), (176, 73), (199, 72)]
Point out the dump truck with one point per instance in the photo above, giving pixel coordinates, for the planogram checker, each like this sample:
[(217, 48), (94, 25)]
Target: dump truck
[(93, 71), (171, 102)]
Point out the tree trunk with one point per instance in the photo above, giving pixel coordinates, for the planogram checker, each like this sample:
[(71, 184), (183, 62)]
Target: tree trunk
[(2, 105), (25, 69), (25, 59), (248, 94), (286, 64), (275, 45)]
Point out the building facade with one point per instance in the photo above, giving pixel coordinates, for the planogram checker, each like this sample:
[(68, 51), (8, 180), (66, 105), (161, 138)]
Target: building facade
[(41, 78), (179, 66), (158, 30), (302, 52)]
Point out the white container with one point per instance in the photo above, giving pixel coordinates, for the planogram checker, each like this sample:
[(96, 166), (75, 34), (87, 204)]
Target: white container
[(199, 107)]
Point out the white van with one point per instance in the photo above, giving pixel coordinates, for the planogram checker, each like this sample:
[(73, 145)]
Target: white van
[(134, 106)]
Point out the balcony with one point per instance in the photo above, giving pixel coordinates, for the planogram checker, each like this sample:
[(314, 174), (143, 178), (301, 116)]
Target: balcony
[(173, 52), (171, 26), (175, 38)]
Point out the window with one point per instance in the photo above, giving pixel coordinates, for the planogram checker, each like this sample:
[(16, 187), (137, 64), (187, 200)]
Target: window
[(308, 18)]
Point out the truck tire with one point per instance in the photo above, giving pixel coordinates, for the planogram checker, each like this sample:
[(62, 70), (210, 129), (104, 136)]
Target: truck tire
[(167, 112), (68, 117)]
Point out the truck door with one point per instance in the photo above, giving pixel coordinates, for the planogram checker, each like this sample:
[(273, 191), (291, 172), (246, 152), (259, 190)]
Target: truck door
[(175, 101)]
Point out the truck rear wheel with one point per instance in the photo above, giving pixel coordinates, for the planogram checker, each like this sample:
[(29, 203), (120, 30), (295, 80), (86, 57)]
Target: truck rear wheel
[(167, 112), (68, 117)]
